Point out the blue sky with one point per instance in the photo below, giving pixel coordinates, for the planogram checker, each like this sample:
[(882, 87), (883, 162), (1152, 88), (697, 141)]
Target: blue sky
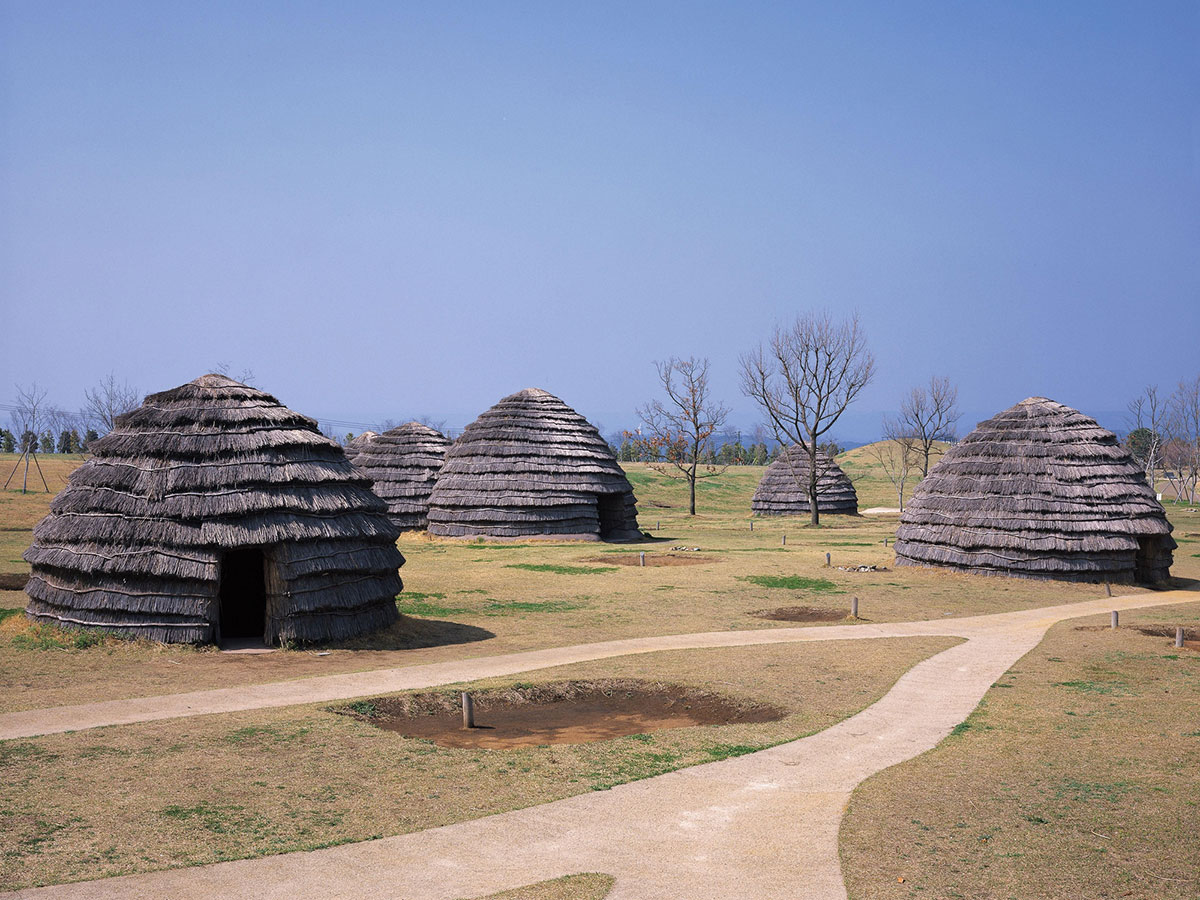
[(394, 209)]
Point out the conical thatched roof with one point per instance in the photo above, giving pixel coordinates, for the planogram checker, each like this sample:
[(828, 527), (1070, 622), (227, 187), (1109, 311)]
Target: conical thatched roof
[(358, 443), (783, 490), (1039, 491), (531, 466), (403, 465), (213, 511)]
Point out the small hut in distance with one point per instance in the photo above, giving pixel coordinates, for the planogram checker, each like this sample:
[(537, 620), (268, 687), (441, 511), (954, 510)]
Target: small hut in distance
[(214, 512), (532, 467), (403, 464), (783, 490), (1038, 491)]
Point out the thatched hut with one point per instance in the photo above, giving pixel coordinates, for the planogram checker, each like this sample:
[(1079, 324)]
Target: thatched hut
[(358, 443), (783, 490), (1038, 491), (214, 512), (403, 465), (532, 467)]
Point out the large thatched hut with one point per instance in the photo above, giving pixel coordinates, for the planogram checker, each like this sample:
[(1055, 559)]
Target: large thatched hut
[(783, 489), (532, 467), (403, 465), (214, 512), (1038, 491)]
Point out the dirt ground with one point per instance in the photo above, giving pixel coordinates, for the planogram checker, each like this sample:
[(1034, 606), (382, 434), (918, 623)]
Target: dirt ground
[(558, 713)]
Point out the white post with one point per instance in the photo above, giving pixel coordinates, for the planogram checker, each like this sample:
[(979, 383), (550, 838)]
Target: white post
[(1115, 618), (854, 607), (1178, 635), (643, 557)]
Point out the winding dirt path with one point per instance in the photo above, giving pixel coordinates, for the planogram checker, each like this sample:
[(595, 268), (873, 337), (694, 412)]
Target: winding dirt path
[(758, 826)]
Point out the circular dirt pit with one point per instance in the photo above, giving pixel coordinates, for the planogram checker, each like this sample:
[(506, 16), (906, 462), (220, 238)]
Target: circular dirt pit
[(13, 582), (571, 712), (801, 614), (654, 559)]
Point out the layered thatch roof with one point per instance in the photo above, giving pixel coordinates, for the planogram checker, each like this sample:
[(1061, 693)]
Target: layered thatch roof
[(532, 467), (783, 490), (1039, 491), (403, 465), (199, 488)]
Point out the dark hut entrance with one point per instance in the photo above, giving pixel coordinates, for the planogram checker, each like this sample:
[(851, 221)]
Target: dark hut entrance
[(243, 595), (610, 508)]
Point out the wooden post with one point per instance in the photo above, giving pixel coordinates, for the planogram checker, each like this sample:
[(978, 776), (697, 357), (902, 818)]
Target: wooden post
[(854, 607), (784, 543), (658, 525), (1108, 588), (1115, 618), (827, 562), (1178, 635), (751, 524), (643, 557), (885, 540), (468, 711)]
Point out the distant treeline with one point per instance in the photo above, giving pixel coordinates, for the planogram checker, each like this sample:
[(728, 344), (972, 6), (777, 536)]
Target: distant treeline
[(68, 441), (731, 453)]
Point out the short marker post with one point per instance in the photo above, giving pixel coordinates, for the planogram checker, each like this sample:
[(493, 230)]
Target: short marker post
[(468, 710), (1116, 618), (827, 561), (784, 544), (643, 561), (1178, 635), (854, 607), (751, 524), (1108, 588)]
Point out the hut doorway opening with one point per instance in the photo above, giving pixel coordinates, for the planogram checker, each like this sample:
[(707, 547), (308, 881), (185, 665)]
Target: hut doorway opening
[(610, 508), (243, 595), (1149, 567)]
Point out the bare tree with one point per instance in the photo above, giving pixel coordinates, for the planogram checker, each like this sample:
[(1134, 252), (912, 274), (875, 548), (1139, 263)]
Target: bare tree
[(897, 454), (246, 376), (1182, 450), (106, 401), (680, 430), (28, 418), (804, 379), (1148, 416), (929, 415)]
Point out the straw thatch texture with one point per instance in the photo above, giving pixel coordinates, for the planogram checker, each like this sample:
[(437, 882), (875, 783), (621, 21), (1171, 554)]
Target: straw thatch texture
[(138, 540), (1038, 491), (783, 490), (532, 467), (403, 465)]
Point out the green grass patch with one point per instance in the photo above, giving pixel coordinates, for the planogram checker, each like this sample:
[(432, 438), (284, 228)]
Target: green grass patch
[(1096, 687), (793, 583), (562, 570), (50, 637), (6, 612), (418, 604), (728, 751)]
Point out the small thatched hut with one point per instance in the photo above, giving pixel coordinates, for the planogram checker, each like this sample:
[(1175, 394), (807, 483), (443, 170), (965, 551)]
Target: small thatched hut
[(358, 443), (213, 512), (403, 465), (532, 467), (1038, 491), (783, 490)]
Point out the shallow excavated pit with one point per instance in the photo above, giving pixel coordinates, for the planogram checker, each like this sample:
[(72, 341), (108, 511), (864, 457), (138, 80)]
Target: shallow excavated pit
[(570, 712), (801, 614)]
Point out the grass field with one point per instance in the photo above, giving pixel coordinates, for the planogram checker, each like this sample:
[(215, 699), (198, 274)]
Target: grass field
[(159, 795)]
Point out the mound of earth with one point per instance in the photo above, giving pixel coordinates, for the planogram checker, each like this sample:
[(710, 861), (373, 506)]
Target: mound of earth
[(652, 559), (801, 614), (566, 712)]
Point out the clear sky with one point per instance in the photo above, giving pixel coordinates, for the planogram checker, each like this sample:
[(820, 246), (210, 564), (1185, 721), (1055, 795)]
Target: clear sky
[(392, 209)]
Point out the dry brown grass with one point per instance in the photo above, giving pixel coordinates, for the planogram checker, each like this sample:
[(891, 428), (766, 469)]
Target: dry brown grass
[(190, 791), (1075, 778), (589, 886)]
